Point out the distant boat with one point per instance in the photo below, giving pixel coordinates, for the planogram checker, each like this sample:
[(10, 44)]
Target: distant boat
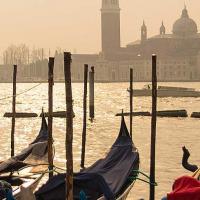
[(166, 91)]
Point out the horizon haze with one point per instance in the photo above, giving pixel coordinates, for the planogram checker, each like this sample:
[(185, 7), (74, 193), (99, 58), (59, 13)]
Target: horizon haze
[(76, 25)]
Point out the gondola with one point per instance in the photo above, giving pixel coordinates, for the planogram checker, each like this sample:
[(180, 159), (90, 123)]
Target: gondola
[(27, 167), (186, 187), (109, 178), (185, 163)]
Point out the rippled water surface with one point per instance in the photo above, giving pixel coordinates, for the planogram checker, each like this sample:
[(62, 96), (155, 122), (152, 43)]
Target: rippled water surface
[(110, 98)]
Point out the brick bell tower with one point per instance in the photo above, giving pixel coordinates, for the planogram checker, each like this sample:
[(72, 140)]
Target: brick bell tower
[(110, 26)]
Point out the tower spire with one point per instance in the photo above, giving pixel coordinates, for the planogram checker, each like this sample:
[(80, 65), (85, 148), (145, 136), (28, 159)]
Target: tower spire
[(143, 32), (143, 25), (162, 29), (185, 7)]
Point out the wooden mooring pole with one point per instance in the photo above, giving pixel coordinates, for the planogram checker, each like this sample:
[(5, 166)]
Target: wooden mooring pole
[(91, 97), (131, 102), (69, 126), (153, 128), (50, 116), (84, 116), (13, 111)]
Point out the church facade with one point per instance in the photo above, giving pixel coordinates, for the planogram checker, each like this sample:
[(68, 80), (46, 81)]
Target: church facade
[(178, 52)]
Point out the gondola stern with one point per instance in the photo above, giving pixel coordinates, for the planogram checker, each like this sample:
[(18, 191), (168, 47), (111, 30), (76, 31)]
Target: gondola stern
[(44, 125), (124, 137), (43, 133)]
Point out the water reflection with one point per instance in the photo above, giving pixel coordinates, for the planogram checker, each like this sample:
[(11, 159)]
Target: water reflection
[(110, 98)]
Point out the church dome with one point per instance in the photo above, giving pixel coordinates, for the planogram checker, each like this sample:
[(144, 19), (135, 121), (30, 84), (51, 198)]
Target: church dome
[(185, 26)]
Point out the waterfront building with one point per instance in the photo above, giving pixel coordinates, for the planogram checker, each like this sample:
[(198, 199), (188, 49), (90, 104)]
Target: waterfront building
[(178, 52)]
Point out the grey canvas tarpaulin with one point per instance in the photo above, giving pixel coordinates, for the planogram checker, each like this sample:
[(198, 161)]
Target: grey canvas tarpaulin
[(105, 177)]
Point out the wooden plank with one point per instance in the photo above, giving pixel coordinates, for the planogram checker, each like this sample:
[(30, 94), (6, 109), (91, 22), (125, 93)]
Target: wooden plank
[(20, 115), (164, 113), (195, 115), (172, 113), (57, 114), (69, 126), (135, 114)]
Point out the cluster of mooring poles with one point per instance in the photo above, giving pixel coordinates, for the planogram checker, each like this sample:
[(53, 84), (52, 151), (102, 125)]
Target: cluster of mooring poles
[(68, 114)]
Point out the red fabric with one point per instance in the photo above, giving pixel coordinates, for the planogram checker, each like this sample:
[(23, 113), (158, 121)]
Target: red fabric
[(185, 188)]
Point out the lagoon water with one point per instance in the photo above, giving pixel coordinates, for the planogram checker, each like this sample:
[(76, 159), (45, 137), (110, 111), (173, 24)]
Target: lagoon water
[(110, 98)]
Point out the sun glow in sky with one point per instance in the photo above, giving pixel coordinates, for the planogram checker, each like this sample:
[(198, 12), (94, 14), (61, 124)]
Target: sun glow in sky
[(75, 24)]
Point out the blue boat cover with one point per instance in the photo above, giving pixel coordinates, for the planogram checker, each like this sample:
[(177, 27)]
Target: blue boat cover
[(16, 162), (107, 177)]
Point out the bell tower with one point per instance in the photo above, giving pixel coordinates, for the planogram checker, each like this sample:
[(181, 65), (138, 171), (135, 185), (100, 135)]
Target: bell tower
[(110, 26), (162, 29), (143, 32)]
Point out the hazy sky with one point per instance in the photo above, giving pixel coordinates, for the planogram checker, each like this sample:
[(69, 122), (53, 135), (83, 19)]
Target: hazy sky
[(75, 24)]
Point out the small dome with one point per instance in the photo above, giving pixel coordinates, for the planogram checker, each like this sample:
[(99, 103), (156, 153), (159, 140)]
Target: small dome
[(185, 26)]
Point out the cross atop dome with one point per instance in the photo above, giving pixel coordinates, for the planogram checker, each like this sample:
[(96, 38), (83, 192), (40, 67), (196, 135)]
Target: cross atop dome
[(185, 12)]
